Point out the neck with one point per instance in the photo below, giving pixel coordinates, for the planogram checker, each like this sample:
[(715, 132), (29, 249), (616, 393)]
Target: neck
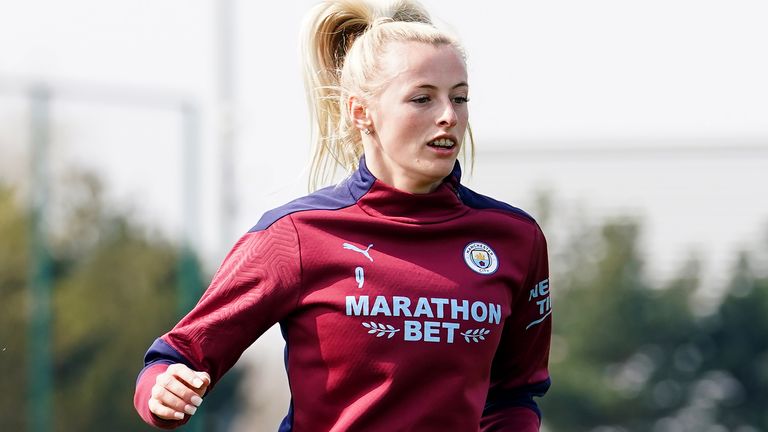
[(403, 180)]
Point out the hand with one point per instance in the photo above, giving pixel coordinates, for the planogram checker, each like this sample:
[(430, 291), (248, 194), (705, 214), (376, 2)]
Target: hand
[(178, 391)]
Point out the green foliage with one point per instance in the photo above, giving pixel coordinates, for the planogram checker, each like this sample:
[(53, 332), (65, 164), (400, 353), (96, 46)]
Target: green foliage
[(630, 356), (114, 292), (13, 306), (736, 385)]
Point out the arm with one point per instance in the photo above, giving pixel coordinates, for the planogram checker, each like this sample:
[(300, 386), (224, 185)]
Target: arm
[(519, 370), (256, 286)]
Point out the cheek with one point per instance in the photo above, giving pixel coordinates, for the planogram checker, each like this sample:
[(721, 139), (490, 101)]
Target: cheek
[(463, 120), (403, 124), (463, 114)]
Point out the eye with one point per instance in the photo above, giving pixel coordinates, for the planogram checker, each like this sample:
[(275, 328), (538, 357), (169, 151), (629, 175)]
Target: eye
[(460, 99), (420, 99)]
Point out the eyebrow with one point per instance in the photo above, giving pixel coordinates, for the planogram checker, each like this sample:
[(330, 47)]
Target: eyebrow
[(430, 86)]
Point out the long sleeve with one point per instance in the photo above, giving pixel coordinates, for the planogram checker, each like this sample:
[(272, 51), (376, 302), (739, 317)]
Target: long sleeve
[(256, 286), (519, 370)]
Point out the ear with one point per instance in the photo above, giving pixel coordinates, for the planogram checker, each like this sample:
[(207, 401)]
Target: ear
[(358, 112)]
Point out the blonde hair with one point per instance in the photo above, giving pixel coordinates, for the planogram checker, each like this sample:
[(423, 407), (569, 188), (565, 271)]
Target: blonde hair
[(342, 42)]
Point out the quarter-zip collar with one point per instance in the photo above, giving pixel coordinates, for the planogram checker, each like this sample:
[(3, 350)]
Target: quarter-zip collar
[(382, 200)]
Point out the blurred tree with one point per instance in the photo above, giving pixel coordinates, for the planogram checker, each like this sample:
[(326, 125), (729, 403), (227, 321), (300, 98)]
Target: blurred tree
[(115, 289), (13, 276), (734, 387), (114, 292), (614, 333), (628, 356)]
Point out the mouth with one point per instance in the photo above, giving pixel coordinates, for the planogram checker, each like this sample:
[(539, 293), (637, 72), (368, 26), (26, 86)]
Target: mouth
[(442, 143)]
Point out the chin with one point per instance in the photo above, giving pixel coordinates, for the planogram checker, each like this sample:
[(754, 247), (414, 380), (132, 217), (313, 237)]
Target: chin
[(438, 170), (442, 168)]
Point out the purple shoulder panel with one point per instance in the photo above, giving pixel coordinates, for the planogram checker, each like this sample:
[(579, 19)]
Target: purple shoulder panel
[(335, 197), (481, 202)]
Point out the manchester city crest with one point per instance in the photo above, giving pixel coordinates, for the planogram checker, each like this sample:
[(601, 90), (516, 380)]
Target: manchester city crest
[(481, 258)]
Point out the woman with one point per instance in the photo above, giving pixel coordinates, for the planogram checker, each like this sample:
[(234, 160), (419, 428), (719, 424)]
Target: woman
[(407, 301)]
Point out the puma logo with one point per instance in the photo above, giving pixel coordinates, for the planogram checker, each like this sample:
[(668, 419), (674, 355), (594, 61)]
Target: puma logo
[(357, 249)]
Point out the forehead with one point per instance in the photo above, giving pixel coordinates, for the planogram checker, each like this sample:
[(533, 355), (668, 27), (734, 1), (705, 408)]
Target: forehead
[(419, 63)]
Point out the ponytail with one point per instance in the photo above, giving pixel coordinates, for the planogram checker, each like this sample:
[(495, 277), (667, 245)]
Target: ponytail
[(330, 30), (355, 30)]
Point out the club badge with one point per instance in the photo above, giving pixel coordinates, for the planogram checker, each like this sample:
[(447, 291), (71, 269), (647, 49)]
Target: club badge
[(481, 258)]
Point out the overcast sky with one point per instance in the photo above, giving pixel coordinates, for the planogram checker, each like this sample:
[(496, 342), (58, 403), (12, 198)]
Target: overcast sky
[(552, 74)]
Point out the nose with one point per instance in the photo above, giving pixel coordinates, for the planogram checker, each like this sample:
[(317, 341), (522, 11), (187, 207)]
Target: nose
[(447, 118)]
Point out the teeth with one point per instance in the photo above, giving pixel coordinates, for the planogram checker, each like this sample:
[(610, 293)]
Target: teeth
[(444, 142)]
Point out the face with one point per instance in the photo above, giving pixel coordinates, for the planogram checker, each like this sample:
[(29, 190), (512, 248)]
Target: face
[(418, 119)]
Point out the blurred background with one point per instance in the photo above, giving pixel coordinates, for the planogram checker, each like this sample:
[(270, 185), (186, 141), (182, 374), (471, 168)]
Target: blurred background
[(139, 140)]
